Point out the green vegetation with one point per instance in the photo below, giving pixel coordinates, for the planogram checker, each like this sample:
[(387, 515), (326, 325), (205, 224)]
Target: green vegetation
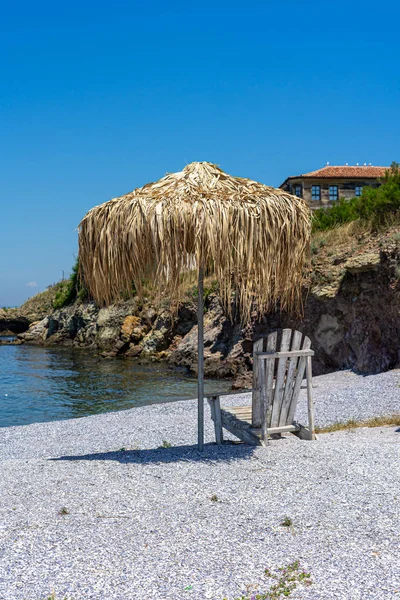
[(396, 236), (377, 206), (210, 287), (286, 581), (165, 444), (70, 289), (287, 522), (353, 424)]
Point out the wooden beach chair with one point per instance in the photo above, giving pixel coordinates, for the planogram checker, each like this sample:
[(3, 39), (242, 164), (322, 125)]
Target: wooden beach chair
[(279, 363)]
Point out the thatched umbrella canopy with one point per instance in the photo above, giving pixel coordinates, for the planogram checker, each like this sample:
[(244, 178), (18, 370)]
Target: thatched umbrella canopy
[(254, 239)]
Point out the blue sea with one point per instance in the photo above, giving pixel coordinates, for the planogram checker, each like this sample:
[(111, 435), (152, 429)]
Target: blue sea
[(50, 384)]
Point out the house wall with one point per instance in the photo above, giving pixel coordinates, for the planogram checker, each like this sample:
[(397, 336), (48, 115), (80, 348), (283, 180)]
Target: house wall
[(346, 188)]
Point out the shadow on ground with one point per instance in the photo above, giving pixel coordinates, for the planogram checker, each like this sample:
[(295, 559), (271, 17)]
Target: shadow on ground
[(228, 452)]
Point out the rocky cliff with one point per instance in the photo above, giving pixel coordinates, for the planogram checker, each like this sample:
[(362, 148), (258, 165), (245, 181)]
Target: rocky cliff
[(351, 314)]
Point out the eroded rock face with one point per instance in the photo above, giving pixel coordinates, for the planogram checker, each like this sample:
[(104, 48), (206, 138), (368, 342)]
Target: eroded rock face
[(329, 333), (224, 353), (124, 328), (360, 326), (37, 332), (12, 324), (356, 327), (129, 326)]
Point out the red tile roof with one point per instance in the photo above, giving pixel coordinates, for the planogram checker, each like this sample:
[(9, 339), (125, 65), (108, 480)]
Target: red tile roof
[(348, 172)]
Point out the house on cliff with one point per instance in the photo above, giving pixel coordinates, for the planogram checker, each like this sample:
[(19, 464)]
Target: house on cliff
[(323, 187)]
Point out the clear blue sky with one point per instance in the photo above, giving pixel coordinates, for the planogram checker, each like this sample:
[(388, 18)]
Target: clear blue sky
[(97, 98)]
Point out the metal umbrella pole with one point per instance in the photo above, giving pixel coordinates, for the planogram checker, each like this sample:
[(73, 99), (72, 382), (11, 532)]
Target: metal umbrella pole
[(200, 361)]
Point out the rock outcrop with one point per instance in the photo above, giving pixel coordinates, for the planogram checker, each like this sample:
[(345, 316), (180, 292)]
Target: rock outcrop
[(10, 324)]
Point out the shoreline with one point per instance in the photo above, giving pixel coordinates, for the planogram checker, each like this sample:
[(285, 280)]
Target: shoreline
[(338, 397)]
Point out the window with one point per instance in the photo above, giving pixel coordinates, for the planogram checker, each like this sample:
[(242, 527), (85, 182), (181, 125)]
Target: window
[(333, 192), (297, 191), (359, 190), (316, 192)]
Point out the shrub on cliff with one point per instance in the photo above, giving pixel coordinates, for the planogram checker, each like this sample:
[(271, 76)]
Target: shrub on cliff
[(70, 289), (378, 206)]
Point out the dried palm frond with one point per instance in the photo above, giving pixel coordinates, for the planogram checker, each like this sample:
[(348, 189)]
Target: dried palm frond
[(252, 237)]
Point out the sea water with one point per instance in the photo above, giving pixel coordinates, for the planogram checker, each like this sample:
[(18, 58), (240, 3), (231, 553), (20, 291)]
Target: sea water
[(49, 384)]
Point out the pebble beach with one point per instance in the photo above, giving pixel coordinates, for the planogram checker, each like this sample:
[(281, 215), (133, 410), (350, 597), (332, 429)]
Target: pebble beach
[(122, 506)]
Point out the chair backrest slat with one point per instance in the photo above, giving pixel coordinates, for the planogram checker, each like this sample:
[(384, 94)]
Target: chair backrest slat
[(256, 398), (267, 381), (280, 378), (290, 376), (297, 383)]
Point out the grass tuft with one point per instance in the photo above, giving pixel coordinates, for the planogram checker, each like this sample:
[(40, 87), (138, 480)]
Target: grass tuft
[(287, 522), (285, 580), (165, 444), (353, 424)]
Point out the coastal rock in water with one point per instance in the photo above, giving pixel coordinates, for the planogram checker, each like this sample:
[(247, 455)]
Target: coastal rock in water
[(12, 325), (149, 315), (155, 341), (138, 334), (110, 323), (37, 332), (130, 324), (106, 336), (160, 337), (134, 350), (223, 353)]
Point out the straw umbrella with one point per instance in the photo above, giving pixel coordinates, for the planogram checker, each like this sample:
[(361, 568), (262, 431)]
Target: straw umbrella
[(253, 238)]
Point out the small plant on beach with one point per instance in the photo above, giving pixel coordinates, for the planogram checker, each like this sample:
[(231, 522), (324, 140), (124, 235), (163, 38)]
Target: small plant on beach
[(63, 511), (165, 444), (286, 580), (287, 522), (214, 498)]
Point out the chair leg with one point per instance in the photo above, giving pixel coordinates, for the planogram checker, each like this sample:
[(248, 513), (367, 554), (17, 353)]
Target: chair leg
[(311, 425), (215, 407)]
